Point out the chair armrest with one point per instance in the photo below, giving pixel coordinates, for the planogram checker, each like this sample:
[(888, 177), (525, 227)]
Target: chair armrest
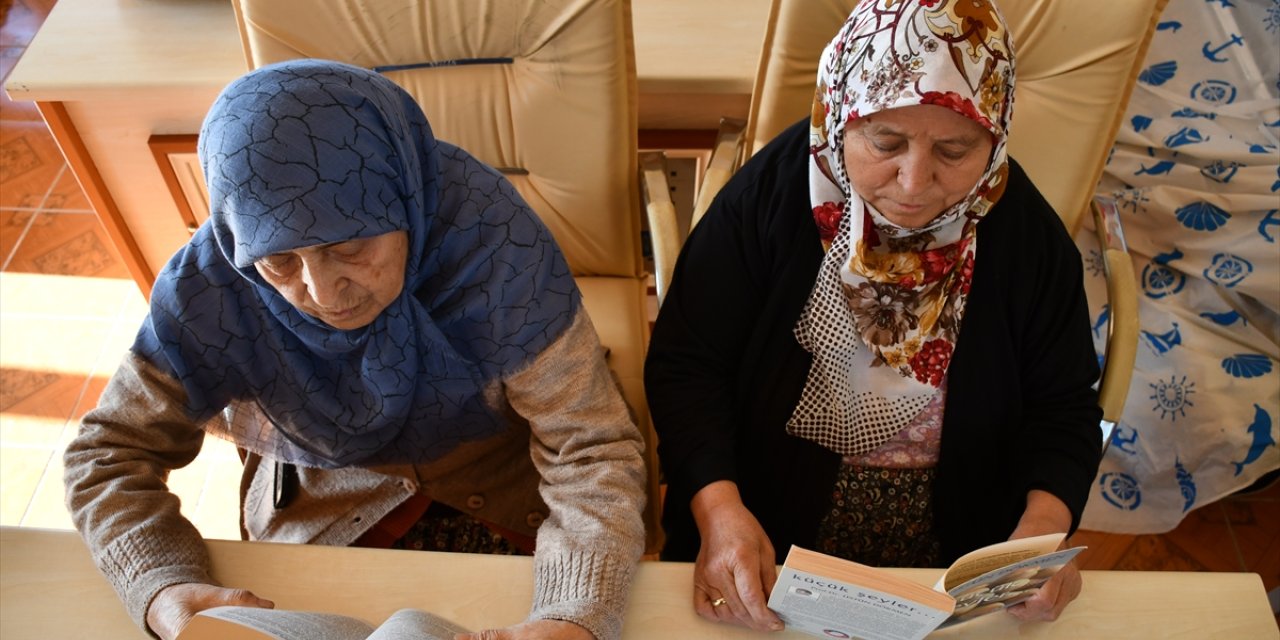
[(1122, 296), (664, 231), (725, 159)]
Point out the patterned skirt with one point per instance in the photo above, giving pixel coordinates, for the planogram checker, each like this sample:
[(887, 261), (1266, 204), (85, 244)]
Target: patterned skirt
[(443, 528), (881, 517)]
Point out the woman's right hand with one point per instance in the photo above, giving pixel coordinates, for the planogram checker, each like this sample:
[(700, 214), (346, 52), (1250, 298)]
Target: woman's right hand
[(735, 562), (175, 605)]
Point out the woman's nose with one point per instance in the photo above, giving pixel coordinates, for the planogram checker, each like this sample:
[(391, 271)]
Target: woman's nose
[(324, 282), (915, 174)]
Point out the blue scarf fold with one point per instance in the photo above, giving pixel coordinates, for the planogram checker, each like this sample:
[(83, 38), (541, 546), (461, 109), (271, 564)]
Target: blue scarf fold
[(312, 152)]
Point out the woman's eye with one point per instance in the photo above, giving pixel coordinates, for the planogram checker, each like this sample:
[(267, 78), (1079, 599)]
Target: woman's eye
[(277, 264), (886, 147), (348, 249), (953, 154)]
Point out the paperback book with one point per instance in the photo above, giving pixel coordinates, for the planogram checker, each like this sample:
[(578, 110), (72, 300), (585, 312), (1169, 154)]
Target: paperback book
[(834, 598)]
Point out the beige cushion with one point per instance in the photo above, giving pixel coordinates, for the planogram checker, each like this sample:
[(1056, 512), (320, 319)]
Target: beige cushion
[(563, 108), (1076, 62)]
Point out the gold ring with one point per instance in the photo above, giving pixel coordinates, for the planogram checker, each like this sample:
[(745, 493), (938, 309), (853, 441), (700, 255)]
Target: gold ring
[(718, 601)]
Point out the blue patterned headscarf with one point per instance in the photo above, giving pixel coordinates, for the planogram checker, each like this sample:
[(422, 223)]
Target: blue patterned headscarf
[(312, 152)]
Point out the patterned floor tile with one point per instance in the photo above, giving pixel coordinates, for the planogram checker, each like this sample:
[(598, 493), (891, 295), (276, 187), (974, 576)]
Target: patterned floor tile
[(67, 195), (29, 164), (74, 244), (12, 225)]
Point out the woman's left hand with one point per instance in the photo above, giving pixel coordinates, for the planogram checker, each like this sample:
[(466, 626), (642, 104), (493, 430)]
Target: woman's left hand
[(1045, 513), (1051, 598), (532, 630)]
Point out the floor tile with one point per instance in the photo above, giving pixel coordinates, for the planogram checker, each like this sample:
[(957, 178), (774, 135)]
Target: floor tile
[(34, 294), (48, 507), (12, 226), (1255, 522), (36, 405), (209, 489), (67, 196), (22, 21), (52, 345), (30, 162), (1208, 523), (20, 472), (1158, 553), (73, 244), (1104, 550)]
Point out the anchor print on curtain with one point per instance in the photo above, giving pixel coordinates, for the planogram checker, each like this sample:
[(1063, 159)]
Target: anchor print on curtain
[(1196, 176)]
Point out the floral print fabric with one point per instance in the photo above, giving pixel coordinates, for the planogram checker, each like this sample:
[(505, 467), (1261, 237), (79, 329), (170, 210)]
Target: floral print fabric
[(882, 319), (881, 517)]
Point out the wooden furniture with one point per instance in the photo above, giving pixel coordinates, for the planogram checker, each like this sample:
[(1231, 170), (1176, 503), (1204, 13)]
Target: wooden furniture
[(51, 589), (108, 75)]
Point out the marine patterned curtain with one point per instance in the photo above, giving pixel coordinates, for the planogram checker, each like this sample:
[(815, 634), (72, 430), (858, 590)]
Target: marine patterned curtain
[(1195, 174)]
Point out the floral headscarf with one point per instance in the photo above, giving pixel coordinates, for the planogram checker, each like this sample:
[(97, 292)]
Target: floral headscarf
[(312, 152), (882, 319)]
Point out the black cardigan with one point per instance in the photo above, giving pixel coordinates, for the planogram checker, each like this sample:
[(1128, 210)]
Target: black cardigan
[(724, 371)]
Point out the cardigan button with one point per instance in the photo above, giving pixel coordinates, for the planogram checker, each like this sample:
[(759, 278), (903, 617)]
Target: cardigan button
[(534, 519), (475, 502)]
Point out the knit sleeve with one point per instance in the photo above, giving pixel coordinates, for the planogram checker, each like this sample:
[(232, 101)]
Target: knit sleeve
[(588, 452), (115, 472)]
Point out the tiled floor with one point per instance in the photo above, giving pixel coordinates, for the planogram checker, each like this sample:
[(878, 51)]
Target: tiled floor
[(68, 312)]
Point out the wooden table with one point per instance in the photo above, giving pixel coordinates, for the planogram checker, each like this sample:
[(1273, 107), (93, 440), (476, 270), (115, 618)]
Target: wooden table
[(108, 75), (49, 588)]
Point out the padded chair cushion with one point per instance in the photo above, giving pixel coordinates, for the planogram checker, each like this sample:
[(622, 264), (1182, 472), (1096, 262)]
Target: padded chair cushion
[(550, 90)]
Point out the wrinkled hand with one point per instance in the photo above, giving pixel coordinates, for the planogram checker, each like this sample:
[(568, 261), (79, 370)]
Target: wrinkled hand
[(735, 562), (532, 630), (175, 605), (1051, 598), (1047, 514)]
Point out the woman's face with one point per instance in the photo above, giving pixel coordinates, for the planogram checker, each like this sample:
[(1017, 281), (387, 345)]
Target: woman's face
[(913, 163), (344, 284)]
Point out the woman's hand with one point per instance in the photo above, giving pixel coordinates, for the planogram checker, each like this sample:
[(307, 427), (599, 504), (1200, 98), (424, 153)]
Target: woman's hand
[(736, 561), (1047, 514), (532, 630), (175, 605)]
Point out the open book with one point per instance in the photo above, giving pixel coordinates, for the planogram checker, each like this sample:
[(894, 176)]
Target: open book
[(834, 598), (252, 623)]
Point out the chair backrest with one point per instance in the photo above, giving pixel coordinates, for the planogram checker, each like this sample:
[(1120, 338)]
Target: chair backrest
[(543, 90), (1077, 61)]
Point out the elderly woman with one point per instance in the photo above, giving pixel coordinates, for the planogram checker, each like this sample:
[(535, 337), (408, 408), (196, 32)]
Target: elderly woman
[(392, 336), (876, 342)]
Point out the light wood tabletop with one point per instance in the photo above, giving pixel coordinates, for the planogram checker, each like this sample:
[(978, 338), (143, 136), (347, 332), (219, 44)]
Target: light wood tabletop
[(49, 588)]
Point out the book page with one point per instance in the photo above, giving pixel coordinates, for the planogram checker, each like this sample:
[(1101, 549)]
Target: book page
[(412, 624), (835, 598), (255, 623), (992, 557)]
